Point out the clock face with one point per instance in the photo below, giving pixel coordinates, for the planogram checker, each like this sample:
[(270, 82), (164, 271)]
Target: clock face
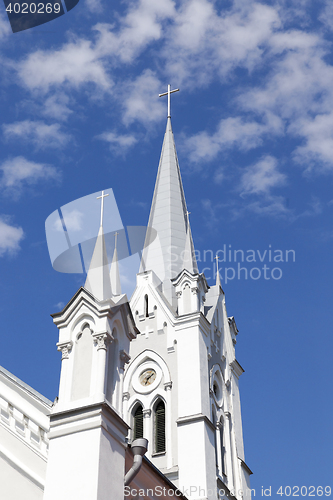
[(147, 377)]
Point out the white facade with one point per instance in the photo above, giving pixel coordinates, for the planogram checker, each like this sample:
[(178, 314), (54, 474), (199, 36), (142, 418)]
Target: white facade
[(161, 367)]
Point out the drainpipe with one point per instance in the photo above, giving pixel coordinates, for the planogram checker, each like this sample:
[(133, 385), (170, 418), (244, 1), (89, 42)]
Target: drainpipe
[(139, 448)]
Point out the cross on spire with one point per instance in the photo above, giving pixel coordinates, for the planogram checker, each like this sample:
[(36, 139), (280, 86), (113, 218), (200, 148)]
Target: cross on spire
[(169, 98), (102, 204)]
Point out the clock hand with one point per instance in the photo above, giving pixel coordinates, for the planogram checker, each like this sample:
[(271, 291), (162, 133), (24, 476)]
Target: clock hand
[(148, 378)]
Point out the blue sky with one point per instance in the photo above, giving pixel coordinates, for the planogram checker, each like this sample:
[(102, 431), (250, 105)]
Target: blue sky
[(253, 125)]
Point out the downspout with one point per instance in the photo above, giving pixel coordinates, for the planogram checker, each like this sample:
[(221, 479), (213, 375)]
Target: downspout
[(139, 448)]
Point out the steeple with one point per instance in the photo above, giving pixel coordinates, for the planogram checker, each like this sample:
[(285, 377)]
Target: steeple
[(166, 256), (98, 277), (218, 279)]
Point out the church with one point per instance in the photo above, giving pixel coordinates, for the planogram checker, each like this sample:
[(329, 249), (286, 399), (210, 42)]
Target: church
[(148, 404)]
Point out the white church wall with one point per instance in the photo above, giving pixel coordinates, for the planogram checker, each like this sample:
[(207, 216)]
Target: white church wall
[(24, 423)]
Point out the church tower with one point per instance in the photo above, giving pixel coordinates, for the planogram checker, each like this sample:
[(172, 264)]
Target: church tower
[(87, 433), (181, 387)]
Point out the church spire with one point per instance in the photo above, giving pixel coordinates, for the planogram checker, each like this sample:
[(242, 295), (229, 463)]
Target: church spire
[(218, 279), (168, 216), (114, 271), (98, 278)]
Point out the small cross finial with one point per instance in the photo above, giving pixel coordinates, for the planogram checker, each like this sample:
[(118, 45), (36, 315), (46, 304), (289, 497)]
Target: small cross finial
[(169, 98), (102, 204)]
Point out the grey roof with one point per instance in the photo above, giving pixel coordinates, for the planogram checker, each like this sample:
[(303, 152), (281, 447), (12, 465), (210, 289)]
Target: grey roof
[(168, 216), (25, 386)]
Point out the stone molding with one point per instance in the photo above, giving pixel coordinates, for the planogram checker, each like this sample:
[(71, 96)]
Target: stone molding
[(65, 348), (102, 340)]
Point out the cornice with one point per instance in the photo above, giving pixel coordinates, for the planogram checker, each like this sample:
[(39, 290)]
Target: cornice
[(236, 368), (198, 417)]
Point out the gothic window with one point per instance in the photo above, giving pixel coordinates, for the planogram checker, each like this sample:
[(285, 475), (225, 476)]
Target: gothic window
[(159, 424), (146, 306), (138, 423)]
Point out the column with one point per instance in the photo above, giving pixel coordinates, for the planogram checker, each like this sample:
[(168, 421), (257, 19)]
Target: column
[(64, 385)]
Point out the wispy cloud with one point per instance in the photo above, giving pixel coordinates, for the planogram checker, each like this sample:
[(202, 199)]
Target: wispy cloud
[(73, 221), (261, 177), (10, 237), (140, 99), (231, 132), (57, 106), (4, 27), (18, 172), (118, 143), (38, 133)]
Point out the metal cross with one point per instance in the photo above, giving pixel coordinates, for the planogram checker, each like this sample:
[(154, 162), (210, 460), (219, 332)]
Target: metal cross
[(102, 204), (169, 99), (188, 218)]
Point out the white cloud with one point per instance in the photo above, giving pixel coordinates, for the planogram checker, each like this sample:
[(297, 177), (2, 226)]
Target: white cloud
[(195, 42), (73, 221), (261, 177), (140, 99), (203, 42), (82, 61), (118, 143), (273, 206), (60, 305), (38, 133), (318, 135), (10, 237), (142, 24), (295, 99), (94, 6), (326, 15), (56, 106), (4, 26), (231, 132), (18, 171), (75, 63)]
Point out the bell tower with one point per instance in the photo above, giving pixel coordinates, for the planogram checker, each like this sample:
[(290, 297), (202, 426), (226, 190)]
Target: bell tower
[(87, 433), (181, 388)]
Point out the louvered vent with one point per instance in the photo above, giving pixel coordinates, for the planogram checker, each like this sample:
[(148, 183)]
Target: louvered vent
[(138, 423), (160, 427)]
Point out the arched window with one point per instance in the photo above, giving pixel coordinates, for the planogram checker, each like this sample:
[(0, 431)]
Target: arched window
[(159, 427), (146, 306), (138, 423)]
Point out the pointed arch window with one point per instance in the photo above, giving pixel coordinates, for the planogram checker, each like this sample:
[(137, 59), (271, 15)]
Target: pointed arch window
[(138, 423), (159, 427), (146, 313)]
